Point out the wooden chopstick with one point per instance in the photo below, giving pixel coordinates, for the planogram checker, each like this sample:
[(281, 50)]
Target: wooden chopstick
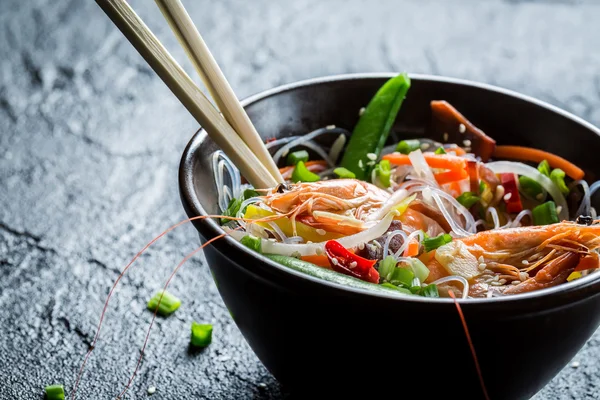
[(208, 69), (187, 92)]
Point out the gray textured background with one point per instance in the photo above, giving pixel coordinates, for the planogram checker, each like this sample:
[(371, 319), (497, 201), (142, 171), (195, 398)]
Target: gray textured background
[(90, 141)]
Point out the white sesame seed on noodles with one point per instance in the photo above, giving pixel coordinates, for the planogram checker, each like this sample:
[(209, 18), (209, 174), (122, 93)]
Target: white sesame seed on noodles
[(330, 127), (467, 143), (507, 196), (372, 156), (361, 111), (462, 128)]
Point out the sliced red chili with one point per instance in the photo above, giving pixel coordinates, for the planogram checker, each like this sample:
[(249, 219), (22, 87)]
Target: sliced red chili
[(511, 193), (473, 176), (348, 263)]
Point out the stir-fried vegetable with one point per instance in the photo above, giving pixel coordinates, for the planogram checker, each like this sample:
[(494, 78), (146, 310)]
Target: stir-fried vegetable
[(348, 263), (511, 193), (545, 214), (201, 334), (467, 199), (383, 171), (168, 303), (252, 242), (531, 188), (55, 392), (433, 243), (302, 174), (408, 146), (373, 127), (297, 156), (344, 173), (537, 156), (558, 177)]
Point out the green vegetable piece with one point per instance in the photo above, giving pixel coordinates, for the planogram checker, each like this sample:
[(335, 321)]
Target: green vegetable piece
[(419, 269), (394, 287), (558, 177), (234, 205), (408, 146), (386, 267), (302, 174), (481, 186), (430, 291), (297, 156), (248, 193), (438, 241), (168, 303), (373, 127), (201, 334), (544, 168), (467, 199), (545, 214), (383, 170), (402, 276), (252, 242), (344, 173), (331, 276), (440, 150), (530, 187), (55, 392)]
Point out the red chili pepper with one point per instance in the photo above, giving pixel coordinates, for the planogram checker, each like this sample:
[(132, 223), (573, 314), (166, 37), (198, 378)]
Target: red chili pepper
[(473, 177), (348, 263), (511, 193)]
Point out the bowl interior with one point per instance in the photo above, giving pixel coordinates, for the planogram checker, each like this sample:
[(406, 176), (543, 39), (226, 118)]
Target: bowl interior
[(508, 117)]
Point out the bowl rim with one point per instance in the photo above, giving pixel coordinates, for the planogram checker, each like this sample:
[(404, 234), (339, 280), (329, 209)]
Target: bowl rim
[(191, 202)]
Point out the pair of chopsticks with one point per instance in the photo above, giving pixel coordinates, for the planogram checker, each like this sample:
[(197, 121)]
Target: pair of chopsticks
[(232, 131)]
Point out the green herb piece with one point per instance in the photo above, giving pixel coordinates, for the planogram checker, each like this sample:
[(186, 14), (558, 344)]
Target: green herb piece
[(302, 174), (168, 304), (249, 193), (530, 187), (386, 267), (438, 241), (545, 214), (481, 186), (297, 156), (252, 242), (558, 177), (544, 168), (383, 171), (408, 146), (374, 125), (55, 392), (430, 291), (402, 276), (440, 150), (344, 173), (419, 269), (467, 199), (201, 334)]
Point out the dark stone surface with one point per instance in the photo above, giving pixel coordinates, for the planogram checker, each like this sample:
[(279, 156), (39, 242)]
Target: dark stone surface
[(90, 141)]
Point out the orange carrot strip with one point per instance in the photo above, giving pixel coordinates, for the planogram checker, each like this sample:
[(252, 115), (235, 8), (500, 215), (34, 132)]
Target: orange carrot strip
[(587, 262), (536, 155), (412, 249), (450, 176), (442, 161)]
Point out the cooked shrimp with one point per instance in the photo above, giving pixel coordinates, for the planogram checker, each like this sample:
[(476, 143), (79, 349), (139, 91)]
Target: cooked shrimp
[(536, 257), (337, 205)]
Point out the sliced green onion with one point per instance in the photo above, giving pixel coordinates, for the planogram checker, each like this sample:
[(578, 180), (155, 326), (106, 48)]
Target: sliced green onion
[(545, 214), (400, 289), (467, 199), (481, 186), (415, 285), (252, 242), (248, 193), (383, 170), (408, 146), (530, 187), (232, 209), (201, 334), (440, 150), (302, 174), (402, 276), (544, 168), (430, 291), (297, 156), (386, 267), (168, 303), (419, 269), (55, 392), (558, 177), (344, 173), (435, 242)]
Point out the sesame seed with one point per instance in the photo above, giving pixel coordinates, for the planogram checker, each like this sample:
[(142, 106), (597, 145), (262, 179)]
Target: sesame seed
[(467, 143), (480, 259), (482, 266), (330, 127), (558, 209), (319, 251), (309, 242), (525, 262), (494, 283), (523, 276), (425, 146), (361, 111), (334, 261), (321, 231), (370, 163), (497, 278), (445, 137), (262, 385), (575, 364), (462, 128), (515, 282), (540, 196), (372, 156), (507, 196), (361, 246), (151, 390), (353, 264), (360, 164), (502, 281), (489, 295)]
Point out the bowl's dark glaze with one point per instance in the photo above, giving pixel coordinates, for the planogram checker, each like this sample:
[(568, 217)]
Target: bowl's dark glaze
[(310, 333)]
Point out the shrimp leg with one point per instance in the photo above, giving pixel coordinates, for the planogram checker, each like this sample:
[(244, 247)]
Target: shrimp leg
[(552, 274)]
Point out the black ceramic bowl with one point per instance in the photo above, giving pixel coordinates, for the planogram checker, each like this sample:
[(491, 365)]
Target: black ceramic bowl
[(317, 337)]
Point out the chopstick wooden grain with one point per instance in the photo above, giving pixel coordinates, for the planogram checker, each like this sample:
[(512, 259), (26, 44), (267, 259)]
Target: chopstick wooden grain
[(140, 36), (208, 69)]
